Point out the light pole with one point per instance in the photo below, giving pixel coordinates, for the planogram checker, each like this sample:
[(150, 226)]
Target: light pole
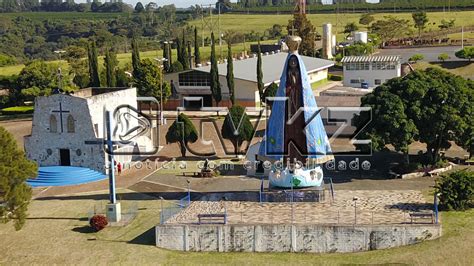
[(161, 60), (189, 192), (59, 52), (436, 200), (161, 212), (355, 209)]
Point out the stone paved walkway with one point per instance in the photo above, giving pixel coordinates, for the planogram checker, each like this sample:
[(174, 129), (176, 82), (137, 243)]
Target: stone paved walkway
[(373, 207)]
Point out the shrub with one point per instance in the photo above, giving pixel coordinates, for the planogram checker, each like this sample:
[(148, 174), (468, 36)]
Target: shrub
[(17, 110), (416, 57), (98, 222), (6, 60), (456, 190), (466, 53), (443, 57), (335, 77), (176, 67)]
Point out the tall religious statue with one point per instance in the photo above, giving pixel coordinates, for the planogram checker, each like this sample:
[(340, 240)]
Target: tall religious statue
[(295, 139)]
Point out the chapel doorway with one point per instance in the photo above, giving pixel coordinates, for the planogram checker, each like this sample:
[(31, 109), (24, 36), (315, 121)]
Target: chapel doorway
[(64, 157)]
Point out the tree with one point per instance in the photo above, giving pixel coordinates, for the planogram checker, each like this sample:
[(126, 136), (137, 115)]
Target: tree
[(184, 55), (456, 190), (15, 169), (305, 30), (366, 19), (182, 131), (446, 24), (230, 73), (197, 55), (215, 83), (359, 49), (139, 7), (466, 53), (179, 51), (443, 57), (190, 55), (260, 73), (390, 28), (94, 80), (110, 63), (148, 81), (429, 106), (416, 57), (270, 91), (135, 56), (420, 18), (465, 137), (237, 127), (166, 56), (176, 67), (350, 27)]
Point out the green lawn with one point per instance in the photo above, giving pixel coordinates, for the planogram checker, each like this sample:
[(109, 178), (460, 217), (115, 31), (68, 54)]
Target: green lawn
[(465, 70), (57, 233), (125, 58), (18, 109), (259, 23)]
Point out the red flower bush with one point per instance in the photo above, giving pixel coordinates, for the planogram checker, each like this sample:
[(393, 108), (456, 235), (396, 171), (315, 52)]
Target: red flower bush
[(98, 222)]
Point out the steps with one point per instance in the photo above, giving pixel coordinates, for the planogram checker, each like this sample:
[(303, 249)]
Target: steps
[(64, 176)]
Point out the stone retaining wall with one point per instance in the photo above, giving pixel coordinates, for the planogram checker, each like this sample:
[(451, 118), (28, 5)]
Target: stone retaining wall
[(291, 238)]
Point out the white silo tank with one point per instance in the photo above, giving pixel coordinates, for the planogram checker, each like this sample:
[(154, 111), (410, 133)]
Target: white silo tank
[(327, 41), (360, 36)]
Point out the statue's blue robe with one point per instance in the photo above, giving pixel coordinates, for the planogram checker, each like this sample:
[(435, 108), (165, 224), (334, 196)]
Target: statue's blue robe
[(317, 141)]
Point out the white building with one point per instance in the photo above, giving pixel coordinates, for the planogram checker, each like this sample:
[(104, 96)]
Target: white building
[(69, 130), (196, 82), (372, 70)]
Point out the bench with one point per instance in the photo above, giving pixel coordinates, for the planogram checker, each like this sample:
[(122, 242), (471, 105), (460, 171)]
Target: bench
[(422, 215), (212, 218)]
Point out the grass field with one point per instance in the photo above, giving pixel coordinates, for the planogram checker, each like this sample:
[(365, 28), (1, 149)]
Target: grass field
[(259, 23), (125, 58), (57, 233), (466, 69), (66, 15)]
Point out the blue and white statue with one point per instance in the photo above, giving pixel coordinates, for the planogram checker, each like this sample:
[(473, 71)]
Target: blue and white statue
[(295, 138)]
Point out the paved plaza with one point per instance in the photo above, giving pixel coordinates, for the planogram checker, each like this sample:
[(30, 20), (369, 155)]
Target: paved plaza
[(373, 207)]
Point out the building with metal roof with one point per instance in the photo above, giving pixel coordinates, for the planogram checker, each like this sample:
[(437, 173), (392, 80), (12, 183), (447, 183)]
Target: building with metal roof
[(196, 82), (370, 71)]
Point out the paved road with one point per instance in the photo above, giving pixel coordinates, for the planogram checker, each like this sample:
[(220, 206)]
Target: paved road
[(430, 53)]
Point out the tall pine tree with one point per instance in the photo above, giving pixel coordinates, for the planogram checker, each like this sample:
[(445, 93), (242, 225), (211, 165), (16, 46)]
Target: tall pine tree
[(135, 57), (215, 84), (260, 73), (110, 63), (230, 73), (197, 55), (170, 54), (190, 55), (15, 169), (166, 63), (94, 80), (179, 50), (184, 57)]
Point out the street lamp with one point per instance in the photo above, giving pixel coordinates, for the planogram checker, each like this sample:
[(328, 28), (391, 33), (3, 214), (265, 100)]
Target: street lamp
[(436, 200), (355, 199), (161, 60), (189, 192), (59, 52), (161, 212)]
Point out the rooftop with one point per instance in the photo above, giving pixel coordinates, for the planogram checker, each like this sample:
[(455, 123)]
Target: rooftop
[(272, 66), (90, 92), (356, 59)]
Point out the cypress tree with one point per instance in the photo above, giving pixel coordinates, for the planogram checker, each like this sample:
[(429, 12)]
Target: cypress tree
[(184, 58), (260, 73), (190, 56), (94, 80), (197, 55), (110, 63), (170, 54), (135, 57), (230, 73), (166, 63), (215, 84), (179, 51)]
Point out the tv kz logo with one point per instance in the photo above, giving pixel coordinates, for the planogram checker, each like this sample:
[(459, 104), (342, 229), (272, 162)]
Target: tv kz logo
[(343, 165), (135, 132)]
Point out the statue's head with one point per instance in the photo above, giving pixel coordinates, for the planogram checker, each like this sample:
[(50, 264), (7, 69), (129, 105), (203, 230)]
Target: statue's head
[(293, 63)]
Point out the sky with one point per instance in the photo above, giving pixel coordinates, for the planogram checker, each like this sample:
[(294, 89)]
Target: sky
[(188, 3)]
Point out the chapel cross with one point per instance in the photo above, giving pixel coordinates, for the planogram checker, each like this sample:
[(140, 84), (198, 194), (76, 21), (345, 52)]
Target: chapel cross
[(61, 111), (292, 30)]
